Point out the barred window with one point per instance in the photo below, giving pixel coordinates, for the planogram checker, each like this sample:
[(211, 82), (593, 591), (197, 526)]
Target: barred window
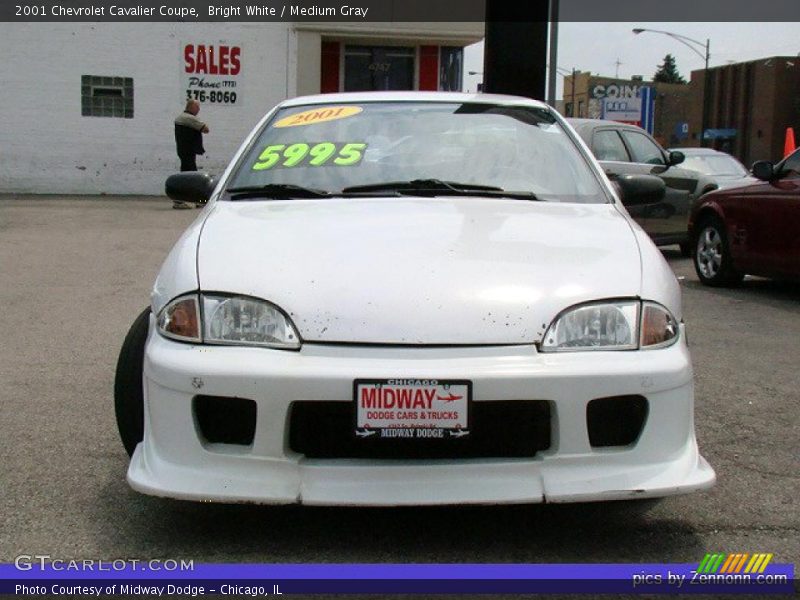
[(103, 96)]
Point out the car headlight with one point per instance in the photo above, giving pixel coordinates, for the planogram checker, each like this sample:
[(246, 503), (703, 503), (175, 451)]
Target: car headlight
[(616, 325), (246, 321), (232, 320)]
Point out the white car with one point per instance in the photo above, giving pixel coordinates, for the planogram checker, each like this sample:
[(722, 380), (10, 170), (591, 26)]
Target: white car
[(411, 298)]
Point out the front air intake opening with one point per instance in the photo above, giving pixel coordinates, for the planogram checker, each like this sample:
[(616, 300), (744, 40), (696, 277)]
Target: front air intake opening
[(616, 421), (225, 420), (499, 429)]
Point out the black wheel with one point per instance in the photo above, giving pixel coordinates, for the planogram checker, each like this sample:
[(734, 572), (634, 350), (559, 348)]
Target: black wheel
[(128, 393), (712, 257), (686, 249)]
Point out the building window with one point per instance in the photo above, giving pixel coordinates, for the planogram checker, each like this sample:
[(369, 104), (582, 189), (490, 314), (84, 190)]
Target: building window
[(378, 68), (451, 61), (103, 96), (568, 109)]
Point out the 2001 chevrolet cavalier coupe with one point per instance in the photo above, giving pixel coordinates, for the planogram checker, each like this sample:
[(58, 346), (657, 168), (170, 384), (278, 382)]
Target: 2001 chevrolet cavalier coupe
[(411, 298)]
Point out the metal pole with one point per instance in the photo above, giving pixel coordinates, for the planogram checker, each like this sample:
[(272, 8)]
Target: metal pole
[(551, 78), (573, 93), (706, 98), (687, 41)]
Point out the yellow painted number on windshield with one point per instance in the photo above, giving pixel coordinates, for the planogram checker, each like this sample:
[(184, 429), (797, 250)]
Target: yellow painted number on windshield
[(294, 154), (318, 155), (319, 115), (321, 153), (350, 154), (269, 157)]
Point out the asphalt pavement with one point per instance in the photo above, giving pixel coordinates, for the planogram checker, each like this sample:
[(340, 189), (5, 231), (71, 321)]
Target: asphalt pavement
[(75, 272)]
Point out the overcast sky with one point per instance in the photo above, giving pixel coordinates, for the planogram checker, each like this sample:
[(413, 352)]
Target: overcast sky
[(596, 47)]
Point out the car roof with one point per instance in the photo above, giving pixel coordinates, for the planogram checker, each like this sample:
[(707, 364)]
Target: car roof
[(699, 151), (586, 127), (590, 124), (365, 97)]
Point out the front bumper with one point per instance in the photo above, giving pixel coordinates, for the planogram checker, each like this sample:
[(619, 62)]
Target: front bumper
[(174, 461)]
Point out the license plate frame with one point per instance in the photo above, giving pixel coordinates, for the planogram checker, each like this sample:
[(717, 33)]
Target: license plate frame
[(437, 399)]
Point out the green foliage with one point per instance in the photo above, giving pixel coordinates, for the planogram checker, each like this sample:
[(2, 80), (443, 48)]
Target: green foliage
[(668, 72)]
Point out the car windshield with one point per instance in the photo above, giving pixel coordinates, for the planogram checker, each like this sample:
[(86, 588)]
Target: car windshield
[(396, 147), (714, 164)]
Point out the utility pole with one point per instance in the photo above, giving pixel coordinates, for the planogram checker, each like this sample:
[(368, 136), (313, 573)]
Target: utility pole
[(617, 63), (574, 73), (693, 45)]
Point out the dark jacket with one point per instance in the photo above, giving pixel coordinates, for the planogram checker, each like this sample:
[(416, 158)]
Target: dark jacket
[(188, 140)]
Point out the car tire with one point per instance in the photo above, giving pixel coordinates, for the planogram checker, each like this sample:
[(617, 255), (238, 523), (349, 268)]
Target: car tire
[(713, 262), (128, 389)]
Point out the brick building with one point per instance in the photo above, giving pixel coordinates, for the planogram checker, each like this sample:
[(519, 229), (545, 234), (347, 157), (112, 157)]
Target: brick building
[(750, 106)]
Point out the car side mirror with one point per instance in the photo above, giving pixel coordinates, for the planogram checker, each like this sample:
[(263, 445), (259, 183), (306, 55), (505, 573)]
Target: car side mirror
[(193, 186), (675, 158), (763, 170), (640, 189)]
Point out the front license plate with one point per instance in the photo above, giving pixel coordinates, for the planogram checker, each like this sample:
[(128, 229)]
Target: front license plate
[(412, 408)]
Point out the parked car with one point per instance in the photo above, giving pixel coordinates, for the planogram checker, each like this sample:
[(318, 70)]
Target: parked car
[(626, 149), (411, 298), (751, 229), (720, 168)]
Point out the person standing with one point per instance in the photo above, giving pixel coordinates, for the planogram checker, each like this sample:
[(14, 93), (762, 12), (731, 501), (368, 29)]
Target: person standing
[(189, 132)]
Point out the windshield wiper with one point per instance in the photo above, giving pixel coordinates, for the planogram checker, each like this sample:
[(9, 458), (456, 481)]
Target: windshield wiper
[(421, 184), (416, 187), (278, 191), (437, 187)]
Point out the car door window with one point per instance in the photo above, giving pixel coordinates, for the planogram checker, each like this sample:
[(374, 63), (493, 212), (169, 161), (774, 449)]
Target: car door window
[(607, 145), (643, 148)]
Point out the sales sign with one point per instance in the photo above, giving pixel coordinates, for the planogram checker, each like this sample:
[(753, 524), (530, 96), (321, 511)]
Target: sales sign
[(628, 110), (638, 110), (211, 73)]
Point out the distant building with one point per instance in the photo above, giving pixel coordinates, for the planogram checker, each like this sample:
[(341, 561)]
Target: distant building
[(584, 93), (750, 105), (749, 108)]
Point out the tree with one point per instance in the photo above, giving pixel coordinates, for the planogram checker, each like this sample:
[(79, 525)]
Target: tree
[(668, 72)]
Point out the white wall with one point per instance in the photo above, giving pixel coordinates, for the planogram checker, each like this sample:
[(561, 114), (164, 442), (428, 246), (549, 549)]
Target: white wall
[(46, 146)]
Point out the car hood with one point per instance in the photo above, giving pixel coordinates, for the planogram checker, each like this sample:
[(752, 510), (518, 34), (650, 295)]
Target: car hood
[(731, 181), (419, 270)]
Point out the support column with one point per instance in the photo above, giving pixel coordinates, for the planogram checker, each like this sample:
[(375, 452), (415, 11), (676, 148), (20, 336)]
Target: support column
[(515, 52)]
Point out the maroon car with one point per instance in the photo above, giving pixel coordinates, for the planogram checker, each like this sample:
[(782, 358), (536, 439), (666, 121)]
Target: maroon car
[(752, 229)]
